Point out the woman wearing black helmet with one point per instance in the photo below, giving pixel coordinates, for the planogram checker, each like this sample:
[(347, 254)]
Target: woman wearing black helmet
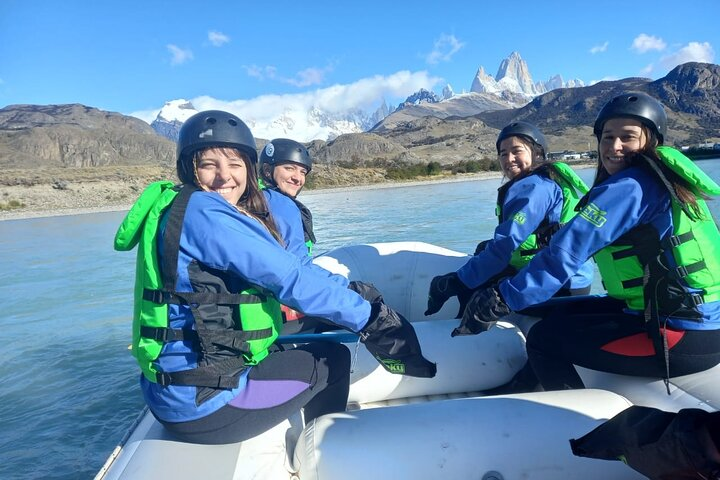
[(211, 275), (657, 247), (538, 198), (284, 166)]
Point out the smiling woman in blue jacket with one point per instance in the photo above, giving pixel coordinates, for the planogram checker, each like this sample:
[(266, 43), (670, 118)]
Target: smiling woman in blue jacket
[(538, 198), (211, 275), (657, 247)]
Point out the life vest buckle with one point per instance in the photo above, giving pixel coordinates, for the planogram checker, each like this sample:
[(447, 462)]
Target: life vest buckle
[(160, 297), (674, 240), (681, 271), (163, 379), (696, 299)]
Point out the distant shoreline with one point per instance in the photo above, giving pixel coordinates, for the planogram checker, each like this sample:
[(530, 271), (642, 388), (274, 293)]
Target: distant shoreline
[(47, 190), (97, 193)]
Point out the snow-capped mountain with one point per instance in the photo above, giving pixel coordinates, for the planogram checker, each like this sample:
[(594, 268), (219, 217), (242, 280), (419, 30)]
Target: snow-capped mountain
[(302, 125), (513, 76), (511, 87), (171, 117)]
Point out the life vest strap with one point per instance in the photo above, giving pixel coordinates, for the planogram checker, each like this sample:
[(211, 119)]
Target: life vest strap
[(206, 376), (633, 283), (683, 271), (165, 335), (628, 252), (677, 240), (162, 297)]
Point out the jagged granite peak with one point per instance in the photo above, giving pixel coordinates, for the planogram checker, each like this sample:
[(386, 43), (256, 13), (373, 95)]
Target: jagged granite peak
[(484, 83), (382, 111), (513, 77), (514, 73), (690, 94), (422, 96), (447, 92)]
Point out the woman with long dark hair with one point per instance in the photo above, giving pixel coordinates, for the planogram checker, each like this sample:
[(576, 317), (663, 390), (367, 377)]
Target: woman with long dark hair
[(211, 275), (657, 247)]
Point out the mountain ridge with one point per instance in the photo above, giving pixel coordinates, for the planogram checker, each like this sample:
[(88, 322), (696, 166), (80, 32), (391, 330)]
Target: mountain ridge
[(74, 135)]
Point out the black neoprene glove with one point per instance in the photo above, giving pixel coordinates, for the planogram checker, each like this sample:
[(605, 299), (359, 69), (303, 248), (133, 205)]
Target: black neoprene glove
[(366, 291), (485, 307), (391, 339), (442, 288)]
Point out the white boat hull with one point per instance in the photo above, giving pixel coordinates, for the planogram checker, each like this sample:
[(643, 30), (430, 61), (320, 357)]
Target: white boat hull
[(401, 427)]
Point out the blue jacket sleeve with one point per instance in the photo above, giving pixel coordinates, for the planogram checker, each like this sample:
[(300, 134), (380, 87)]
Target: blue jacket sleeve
[(289, 223), (288, 219), (217, 235), (527, 203), (627, 199)]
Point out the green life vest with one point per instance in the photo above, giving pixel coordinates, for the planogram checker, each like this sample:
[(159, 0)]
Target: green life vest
[(250, 320), (573, 188), (633, 267)]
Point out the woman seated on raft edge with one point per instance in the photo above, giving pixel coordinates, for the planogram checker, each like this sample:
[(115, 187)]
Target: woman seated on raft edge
[(539, 197), (657, 248), (206, 320)]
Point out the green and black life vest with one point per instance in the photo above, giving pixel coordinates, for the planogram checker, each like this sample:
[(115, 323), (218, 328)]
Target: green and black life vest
[(633, 268), (573, 188), (232, 330)]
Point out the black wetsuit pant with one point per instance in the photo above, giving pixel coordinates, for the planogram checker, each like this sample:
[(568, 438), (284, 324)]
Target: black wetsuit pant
[(314, 377), (588, 332)]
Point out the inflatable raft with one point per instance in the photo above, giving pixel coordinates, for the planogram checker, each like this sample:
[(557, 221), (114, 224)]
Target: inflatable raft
[(399, 427)]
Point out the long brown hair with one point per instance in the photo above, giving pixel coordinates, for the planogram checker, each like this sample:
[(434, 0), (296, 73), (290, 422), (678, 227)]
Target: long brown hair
[(684, 192), (252, 202)]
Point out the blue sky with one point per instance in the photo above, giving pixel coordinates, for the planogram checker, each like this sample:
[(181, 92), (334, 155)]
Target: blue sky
[(132, 56)]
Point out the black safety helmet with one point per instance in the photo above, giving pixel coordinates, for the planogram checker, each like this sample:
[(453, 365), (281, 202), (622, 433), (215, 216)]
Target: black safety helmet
[(212, 128), (523, 129), (637, 105), (284, 150)]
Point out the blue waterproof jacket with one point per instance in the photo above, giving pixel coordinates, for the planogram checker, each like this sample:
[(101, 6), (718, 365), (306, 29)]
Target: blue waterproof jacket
[(627, 199), (528, 202), (216, 235), (289, 222)]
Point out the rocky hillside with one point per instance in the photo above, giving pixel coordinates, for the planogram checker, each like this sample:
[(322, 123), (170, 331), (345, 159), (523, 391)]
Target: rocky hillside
[(690, 93), (77, 136)]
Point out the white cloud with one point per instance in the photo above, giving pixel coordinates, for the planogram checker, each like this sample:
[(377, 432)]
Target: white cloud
[(599, 48), (179, 56), (692, 52), (304, 78), (217, 38), (363, 93), (647, 70), (262, 114), (308, 77), (443, 49), (261, 72), (644, 43), (146, 115)]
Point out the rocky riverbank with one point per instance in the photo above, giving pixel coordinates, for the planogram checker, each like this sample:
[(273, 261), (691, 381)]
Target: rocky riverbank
[(67, 196)]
